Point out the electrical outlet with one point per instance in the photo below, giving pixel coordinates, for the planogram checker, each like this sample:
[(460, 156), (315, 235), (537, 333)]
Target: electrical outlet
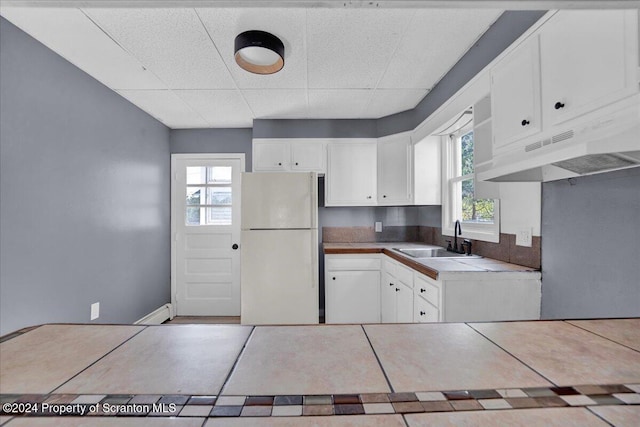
[(523, 237), (95, 310), (378, 227)]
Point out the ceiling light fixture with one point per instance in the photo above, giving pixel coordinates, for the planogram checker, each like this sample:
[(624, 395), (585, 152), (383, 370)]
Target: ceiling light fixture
[(259, 52)]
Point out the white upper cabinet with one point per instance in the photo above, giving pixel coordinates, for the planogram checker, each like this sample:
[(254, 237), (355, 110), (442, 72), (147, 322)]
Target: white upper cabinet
[(587, 61), (395, 170), (576, 63), (515, 95), (270, 156), (294, 155), (351, 173), (308, 156)]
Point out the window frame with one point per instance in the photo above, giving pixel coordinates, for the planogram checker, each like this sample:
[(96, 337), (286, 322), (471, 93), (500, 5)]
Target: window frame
[(450, 177)]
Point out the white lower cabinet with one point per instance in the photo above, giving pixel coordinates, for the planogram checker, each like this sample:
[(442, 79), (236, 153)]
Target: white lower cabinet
[(396, 292), (372, 289), (352, 289), (427, 292)]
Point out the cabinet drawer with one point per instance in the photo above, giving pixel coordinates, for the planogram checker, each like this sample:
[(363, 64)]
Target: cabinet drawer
[(424, 312), (427, 290), (405, 275), (351, 263)]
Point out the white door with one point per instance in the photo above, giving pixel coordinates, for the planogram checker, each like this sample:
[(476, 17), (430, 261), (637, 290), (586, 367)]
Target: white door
[(205, 205)]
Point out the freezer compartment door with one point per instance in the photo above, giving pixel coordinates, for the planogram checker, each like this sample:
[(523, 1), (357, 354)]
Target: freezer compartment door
[(279, 200), (279, 277)]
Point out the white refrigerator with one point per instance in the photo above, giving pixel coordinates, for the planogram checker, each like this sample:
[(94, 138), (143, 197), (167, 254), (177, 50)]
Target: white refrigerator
[(279, 244)]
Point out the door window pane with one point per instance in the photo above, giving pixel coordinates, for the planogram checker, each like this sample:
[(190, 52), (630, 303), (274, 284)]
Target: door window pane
[(196, 174), (219, 175), (194, 196), (218, 196)]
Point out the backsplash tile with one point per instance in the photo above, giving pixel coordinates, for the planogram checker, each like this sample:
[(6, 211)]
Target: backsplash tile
[(506, 250)]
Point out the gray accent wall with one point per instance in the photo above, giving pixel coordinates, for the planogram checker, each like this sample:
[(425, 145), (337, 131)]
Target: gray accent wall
[(590, 240), (315, 128), (236, 140), (84, 194)]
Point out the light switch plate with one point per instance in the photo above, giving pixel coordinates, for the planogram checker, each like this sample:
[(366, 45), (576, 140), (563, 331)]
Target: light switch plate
[(95, 310), (378, 227), (523, 237)]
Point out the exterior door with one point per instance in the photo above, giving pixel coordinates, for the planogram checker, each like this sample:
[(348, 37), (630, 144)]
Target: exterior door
[(205, 205)]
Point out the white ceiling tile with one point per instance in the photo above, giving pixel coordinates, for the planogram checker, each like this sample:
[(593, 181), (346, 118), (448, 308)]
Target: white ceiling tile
[(350, 48), (338, 104), (385, 102), (277, 103), (435, 41), (287, 24), (165, 106), (170, 42), (220, 108), (72, 35)]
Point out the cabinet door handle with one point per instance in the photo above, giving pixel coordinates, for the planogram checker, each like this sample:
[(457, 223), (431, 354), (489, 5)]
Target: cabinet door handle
[(234, 246), (558, 105), (390, 284), (397, 290), (422, 313), (279, 163), (525, 122), (368, 197), (334, 278), (296, 163), (423, 290), (384, 196)]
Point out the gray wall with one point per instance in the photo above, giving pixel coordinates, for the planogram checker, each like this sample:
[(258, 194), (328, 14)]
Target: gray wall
[(213, 141), (84, 190), (590, 239)]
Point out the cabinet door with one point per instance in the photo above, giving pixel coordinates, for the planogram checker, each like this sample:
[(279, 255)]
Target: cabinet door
[(270, 156), (308, 156), (351, 174), (394, 170), (515, 95), (424, 312), (404, 303), (388, 299), (586, 61), (352, 297)]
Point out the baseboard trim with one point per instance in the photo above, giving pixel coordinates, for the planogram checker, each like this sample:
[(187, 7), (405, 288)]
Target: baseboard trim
[(157, 316)]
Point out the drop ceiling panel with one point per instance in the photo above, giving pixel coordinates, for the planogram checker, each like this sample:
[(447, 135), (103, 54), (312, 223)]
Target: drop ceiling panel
[(172, 43), (385, 102), (220, 108), (287, 24), (167, 107), (338, 104), (351, 48), (74, 37), (433, 43), (277, 103)]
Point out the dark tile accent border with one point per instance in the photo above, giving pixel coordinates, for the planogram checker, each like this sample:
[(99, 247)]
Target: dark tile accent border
[(325, 405)]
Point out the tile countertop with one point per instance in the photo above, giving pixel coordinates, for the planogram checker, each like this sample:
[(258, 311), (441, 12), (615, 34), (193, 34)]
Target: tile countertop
[(431, 267)]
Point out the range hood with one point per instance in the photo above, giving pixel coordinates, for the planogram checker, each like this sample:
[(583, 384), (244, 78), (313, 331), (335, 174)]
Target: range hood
[(601, 141)]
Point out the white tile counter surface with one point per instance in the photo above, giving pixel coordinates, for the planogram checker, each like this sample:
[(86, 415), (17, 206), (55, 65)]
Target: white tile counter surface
[(438, 265)]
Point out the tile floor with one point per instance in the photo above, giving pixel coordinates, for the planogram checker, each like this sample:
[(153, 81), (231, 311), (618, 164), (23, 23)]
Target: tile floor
[(559, 373)]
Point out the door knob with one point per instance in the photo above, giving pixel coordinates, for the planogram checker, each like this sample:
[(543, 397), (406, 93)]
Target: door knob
[(235, 246)]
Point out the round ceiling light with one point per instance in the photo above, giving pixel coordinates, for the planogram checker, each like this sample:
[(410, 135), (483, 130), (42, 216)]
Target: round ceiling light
[(259, 52)]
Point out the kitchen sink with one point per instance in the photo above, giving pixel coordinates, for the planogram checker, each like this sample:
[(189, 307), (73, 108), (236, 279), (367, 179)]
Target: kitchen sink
[(431, 253)]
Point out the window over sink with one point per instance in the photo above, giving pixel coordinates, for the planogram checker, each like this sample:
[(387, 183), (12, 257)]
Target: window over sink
[(480, 218)]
